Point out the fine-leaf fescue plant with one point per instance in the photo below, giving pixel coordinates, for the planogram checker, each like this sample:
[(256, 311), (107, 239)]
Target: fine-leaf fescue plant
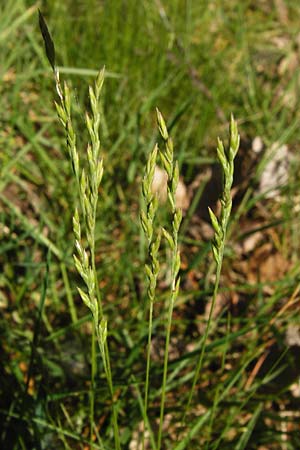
[(84, 221), (45, 355)]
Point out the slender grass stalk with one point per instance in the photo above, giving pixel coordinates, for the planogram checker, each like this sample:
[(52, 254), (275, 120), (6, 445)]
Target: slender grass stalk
[(151, 269), (88, 183), (92, 388), (226, 159), (171, 167)]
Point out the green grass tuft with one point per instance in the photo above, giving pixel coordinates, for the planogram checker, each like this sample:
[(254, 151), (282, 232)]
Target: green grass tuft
[(169, 329)]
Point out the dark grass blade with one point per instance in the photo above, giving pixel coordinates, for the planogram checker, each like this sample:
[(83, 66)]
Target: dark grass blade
[(49, 45)]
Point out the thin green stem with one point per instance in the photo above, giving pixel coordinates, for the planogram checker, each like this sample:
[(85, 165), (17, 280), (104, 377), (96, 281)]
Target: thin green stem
[(102, 341), (206, 333), (93, 375), (148, 363), (165, 370)]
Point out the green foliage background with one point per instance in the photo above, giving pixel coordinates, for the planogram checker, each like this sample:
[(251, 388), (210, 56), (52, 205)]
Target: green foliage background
[(198, 61)]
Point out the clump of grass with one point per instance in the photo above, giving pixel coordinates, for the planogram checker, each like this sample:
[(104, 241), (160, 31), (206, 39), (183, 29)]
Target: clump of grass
[(176, 72)]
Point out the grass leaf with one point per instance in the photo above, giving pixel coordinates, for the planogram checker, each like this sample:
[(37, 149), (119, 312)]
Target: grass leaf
[(49, 45)]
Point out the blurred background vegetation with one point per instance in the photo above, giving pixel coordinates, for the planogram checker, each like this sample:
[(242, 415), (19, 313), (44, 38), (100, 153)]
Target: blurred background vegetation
[(198, 61)]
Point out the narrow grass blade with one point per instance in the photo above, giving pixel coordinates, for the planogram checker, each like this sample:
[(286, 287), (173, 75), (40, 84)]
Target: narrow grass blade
[(49, 45), (241, 445)]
